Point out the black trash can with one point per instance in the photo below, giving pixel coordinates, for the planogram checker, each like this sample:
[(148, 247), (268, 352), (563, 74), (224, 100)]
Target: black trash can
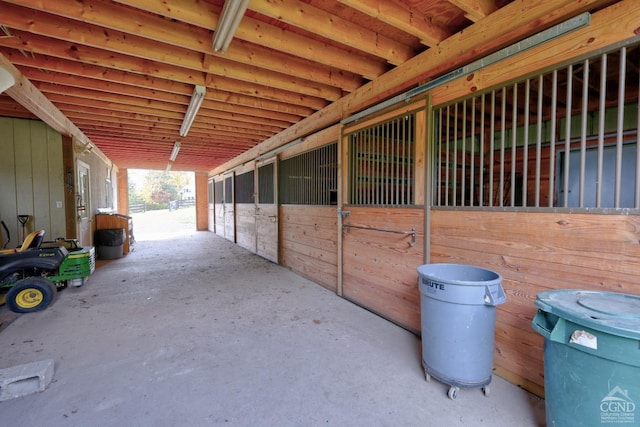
[(109, 243)]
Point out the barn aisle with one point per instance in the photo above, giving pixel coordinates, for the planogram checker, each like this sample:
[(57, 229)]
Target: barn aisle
[(192, 330)]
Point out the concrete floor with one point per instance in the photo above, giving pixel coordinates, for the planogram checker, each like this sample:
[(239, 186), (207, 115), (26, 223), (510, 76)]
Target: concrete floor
[(196, 331)]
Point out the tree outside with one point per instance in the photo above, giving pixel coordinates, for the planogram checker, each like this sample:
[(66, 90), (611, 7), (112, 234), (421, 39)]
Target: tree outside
[(156, 189)]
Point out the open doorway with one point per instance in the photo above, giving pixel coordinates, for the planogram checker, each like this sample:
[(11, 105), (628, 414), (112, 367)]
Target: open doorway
[(162, 204)]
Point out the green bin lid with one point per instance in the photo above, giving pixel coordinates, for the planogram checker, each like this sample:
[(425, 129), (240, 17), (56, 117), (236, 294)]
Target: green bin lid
[(610, 312)]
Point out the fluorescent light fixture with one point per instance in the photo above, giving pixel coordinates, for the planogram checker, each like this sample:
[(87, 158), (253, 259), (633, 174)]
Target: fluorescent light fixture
[(174, 152), (232, 13), (192, 110), (6, 80)]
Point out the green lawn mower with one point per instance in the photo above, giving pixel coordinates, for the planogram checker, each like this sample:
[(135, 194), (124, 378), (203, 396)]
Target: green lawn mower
[(31, 275)]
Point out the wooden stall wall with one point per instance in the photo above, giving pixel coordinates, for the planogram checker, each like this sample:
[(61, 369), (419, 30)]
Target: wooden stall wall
[(308, 233), (380, 257), (246, 226), (535, 252), (308, 242)]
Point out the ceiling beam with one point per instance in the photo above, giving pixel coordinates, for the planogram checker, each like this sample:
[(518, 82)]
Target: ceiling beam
[(63, 100), (183, 35), (517, 20), (155, 119), (475, 10), (27, 95), (227, 100), (399, 16), (205, 15), (90, 55), (334, 28), (82, 117), (139, 50)]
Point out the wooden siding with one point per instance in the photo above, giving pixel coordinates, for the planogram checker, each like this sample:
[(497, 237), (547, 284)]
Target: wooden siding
[(218, 206), (211, 218), (246, 226), (535, 252), (267, 231), (219, 219), (229, 222), (308, 242), (31, 172), (380, 268)]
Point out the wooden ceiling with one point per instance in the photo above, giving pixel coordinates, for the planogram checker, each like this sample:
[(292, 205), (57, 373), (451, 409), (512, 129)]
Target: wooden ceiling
[(123, 71)]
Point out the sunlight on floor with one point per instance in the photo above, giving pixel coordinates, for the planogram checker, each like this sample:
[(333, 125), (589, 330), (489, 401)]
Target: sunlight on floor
[(162, 224)]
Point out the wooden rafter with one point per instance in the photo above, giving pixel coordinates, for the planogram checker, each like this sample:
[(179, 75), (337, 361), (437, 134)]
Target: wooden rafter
[(406, 19), (476, 10), (124, 70)]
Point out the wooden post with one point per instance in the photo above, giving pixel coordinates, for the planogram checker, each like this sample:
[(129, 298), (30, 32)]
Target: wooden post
[(202, 207), (123, 192)]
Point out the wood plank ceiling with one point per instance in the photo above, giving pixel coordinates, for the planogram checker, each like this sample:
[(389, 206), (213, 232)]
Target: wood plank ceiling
[(123, 71)]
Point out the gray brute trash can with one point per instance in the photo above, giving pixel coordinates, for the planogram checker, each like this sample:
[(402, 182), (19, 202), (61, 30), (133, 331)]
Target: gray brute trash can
[(458, 313), (109, 243)]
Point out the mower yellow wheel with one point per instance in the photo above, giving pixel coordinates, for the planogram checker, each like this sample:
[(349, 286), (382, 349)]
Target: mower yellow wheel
[(30, 294), (29, 298)]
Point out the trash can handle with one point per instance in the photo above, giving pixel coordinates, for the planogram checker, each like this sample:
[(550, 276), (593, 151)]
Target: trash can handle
[(494, 298), (554, 334)]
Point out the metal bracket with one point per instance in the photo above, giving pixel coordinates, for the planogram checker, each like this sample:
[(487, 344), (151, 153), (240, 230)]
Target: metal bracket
[(343, 214)]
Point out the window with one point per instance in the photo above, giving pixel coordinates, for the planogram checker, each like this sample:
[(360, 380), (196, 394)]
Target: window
[(265, 183), (244, 187), (310, 178), (566, 138), (381, 163), (228, 189), (218, 192)]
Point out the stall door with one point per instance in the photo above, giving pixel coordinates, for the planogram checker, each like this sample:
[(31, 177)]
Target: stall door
[(218, 208), (382, 216), (381, 248), (245, 208), (267, 212), (229, 209)]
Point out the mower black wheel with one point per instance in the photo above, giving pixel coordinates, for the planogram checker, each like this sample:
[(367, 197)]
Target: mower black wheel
[(31, 294)]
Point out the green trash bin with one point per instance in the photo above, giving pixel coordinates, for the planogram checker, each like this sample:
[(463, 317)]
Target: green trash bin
[(591, 357)]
